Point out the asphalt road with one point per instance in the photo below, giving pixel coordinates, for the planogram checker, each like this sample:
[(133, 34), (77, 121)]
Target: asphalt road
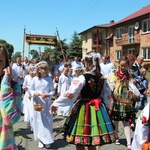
[(25, 140)]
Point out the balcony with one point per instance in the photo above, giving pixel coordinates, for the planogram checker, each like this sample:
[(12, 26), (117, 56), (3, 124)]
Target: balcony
[(98, 43), (126, 40)]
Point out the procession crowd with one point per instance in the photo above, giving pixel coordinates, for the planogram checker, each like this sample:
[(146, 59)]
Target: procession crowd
[(92, 94)]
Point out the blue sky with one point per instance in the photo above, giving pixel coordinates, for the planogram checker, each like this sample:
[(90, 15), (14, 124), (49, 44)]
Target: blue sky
[(44, 16)]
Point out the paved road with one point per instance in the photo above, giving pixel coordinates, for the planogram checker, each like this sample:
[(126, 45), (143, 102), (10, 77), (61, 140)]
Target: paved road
[(25, 140)]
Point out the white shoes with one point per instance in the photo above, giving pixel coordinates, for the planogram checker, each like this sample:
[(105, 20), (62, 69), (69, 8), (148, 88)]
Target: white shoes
[(40, 145)]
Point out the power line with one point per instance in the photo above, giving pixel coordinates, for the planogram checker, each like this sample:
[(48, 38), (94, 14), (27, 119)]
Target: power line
[(87, 10)]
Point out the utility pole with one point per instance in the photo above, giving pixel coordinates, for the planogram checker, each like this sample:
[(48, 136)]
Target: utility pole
[(60, 44), (24, 34)]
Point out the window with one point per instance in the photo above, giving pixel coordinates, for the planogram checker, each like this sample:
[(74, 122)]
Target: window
[(146, 52), (131, 51), (118, 33), (94, 39), (118, 54), (146, 26), (86, 38), (131, 34)]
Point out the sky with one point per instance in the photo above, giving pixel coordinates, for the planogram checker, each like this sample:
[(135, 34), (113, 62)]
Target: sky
[(67, 16)]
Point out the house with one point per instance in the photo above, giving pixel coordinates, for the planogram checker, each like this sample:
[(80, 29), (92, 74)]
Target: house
[(130, 35), (94, 39)]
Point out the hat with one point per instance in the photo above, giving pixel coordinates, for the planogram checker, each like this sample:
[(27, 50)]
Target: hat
[(31, 66), (41, 62)]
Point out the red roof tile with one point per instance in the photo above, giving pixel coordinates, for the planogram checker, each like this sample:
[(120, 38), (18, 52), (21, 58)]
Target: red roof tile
[(143, 11)]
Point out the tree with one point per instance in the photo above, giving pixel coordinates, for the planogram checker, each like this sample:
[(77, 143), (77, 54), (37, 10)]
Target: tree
[(34, 53), (9, 47), (17, 54), (75, 47)]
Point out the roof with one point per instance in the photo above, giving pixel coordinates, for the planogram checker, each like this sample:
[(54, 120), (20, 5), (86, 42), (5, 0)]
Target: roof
[(97, 26), (143, 11)]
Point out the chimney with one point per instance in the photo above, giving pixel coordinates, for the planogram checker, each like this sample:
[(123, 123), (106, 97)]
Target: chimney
[(111, 21)]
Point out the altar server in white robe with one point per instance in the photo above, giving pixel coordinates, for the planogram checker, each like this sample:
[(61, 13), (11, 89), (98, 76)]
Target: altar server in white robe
[(26, 103), (42, 90), (142, 129), (68, 98)]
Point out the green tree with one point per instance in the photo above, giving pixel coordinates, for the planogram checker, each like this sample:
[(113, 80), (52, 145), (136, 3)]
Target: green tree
[(75, 47), (8, 46), (17, 54), (34, 53)]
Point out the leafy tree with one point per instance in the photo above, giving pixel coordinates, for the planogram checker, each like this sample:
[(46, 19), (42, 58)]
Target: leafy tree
[(34, 53), (8, 46), (75, 47), (17, 54)]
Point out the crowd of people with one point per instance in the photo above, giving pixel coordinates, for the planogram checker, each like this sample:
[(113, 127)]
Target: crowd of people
[(93, 95)]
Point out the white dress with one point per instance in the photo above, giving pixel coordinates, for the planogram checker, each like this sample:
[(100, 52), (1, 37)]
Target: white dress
[(141, 130), (26, 103), (43, 121), (66, 100), (63, 86)]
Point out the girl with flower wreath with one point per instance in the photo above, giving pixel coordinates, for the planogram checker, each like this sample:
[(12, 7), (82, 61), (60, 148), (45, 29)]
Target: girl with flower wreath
[(120, 99), (88, 123)]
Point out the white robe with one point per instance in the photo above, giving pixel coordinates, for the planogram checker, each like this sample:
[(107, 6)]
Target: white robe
[(63, 86), (75, 88), (26, 103), (141, 130), (17, 71), (43, 121)]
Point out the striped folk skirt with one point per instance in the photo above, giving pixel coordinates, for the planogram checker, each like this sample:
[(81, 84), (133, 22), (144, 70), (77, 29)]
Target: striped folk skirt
[(89, 124)]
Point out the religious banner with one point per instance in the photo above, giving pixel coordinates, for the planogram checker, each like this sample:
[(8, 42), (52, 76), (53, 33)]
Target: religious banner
[(41, 39)]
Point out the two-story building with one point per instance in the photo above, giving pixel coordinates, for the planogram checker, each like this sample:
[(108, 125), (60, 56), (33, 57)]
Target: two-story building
[(130, 35)]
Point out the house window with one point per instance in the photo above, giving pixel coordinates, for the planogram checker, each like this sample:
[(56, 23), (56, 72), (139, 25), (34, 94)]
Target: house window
[(94, 39), (118, 54), (146, 52), (131, 51), (146, 26), (86, 38), (131, 34), (118, 33)]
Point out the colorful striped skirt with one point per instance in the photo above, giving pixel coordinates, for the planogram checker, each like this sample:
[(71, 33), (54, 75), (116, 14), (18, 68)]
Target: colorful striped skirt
[(89, 124)]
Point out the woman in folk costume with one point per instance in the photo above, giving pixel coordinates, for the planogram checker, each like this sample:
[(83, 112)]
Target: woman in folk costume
[(67, 99), (27, 104), (41, 90), (120, 95), (88, 123), (142, 132)]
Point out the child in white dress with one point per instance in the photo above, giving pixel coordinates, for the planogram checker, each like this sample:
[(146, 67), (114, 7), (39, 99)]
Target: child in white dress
[(42, 90), (27, 105), (63, 86), (68, 98)]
